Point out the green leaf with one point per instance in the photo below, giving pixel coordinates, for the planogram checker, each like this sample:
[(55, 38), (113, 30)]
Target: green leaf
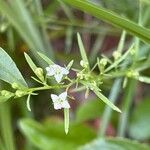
[(38, 71), (105, 100), (94, 109), (96, 90), (144, 79), (45, 58), (114, 144), (82, 50), (70, 65), (5, 95), (139, 126), (50, 135), (9, 71), (5, 98), (30, 62), (112, 18), (66, 119), (124, 7)]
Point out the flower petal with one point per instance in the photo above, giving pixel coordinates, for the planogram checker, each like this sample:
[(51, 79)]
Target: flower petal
[(64, 71), (57, 106), (65, 104), (63, 96), (58, 77), (54, 98), (50, 70)]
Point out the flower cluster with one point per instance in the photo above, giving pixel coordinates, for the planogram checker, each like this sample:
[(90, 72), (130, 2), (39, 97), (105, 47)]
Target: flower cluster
[(57, 71)]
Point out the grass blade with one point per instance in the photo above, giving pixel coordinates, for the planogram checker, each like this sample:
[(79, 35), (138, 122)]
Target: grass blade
[(112, 18), (82, 50)]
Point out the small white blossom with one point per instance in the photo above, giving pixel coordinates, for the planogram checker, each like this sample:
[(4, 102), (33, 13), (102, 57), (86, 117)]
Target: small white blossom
[(56, 71), (60, 101)]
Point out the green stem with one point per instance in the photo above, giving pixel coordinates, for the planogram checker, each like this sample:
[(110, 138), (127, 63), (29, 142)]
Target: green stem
[(113, 94), (128, 98), (49, 87), (6, 126), (108, 111)]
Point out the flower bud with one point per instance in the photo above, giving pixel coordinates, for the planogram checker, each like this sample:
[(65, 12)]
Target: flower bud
[(15, 85), (84, 64), (116, 55), (3, 27), (87, 76), (80, 75), (93, 84), (39, 73), (132, 51), (132, 74), (20, 93), (5, 93), (103, 62)]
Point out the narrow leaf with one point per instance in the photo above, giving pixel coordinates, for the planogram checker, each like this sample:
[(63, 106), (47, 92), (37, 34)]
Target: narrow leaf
[(66, 119), (9, 71), (106, 100), (45, 58), (115, 64), (96, 90), (144, 79), (70, 65), (4, 98), (30, 62), (82, 50), (112, 18)]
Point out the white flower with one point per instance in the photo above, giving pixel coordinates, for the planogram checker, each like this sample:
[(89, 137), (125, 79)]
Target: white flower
[(56, 71), (60, 101)]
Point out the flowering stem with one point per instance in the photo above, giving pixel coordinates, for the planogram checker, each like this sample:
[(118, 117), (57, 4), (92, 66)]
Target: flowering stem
[(31, 90), (46, 88)]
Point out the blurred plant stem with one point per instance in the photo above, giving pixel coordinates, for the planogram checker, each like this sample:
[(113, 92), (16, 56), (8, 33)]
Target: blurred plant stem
[(113, 94), (108, 111), (131, 86), (10, 39), (127, 102), (6, 126), (96, 48)]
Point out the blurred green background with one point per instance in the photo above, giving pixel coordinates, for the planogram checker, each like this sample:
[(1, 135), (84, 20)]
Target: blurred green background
[(50, 27)]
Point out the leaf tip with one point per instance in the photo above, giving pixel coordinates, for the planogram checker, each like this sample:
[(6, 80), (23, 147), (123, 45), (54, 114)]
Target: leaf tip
[(118, 110), (66, 131)]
